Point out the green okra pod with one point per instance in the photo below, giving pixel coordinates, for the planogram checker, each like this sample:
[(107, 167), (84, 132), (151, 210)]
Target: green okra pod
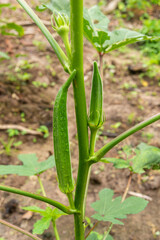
[(95, 119), (61, 140)]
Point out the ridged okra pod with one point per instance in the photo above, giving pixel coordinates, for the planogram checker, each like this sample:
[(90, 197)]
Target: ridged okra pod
[(61, 140), (95, 119)]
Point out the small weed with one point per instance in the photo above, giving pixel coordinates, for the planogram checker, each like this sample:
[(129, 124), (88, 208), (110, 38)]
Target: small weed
[(12, 132), (41, 46), (131, 118), (7, 146), (38, 84), (116, 125), (23, 119), (43, 129), (148, 136)]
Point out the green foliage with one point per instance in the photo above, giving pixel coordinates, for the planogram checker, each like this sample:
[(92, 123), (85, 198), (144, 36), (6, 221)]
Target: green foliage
[(129, 8), (151, 27), (146, 157), (38, 84), (117, 163), (96, 28), (41, 46), (12, 132), (116, 125), (48, 215), (61, 6), (30, 166), (109, 209), (96, 33), (97, 236), (10, 28), (104, 40), (4, 55), (8, 145), (140, 4), (43, 129)]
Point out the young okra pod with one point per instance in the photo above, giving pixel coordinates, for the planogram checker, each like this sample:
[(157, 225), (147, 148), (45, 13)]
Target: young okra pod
[(61, 140), (95, 119)]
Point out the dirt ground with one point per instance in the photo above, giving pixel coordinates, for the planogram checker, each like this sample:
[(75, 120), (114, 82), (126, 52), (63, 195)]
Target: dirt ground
[(128, 99)]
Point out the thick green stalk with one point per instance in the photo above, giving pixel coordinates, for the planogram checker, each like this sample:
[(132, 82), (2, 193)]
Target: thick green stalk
[(99, 154), (59, 52), (81, 112), (38, 197)]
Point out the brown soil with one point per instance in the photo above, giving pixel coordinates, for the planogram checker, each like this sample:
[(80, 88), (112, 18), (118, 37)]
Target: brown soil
[(24, 104)]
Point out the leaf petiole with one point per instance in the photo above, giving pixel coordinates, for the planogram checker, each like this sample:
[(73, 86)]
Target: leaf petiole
[(56, 204)]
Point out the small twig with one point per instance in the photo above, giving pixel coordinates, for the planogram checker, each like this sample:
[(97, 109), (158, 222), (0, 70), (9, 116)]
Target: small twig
[(22, 23), (127, 187), (20, 128), (123, 198), (92, 229), (111, 6), (140, 195), (19, 229)]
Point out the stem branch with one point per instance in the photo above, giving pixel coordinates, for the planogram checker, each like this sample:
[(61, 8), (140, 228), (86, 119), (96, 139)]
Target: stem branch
[(127, 187), (40, 198), (100, 153)]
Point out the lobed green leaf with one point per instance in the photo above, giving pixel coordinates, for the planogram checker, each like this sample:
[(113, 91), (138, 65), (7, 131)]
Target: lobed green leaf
[(12, 29), (146, 158), (109, 209), (49, 214), (97, 236), (30, 165), (4, 55), (41, 225), (117, 163), (95, 25)]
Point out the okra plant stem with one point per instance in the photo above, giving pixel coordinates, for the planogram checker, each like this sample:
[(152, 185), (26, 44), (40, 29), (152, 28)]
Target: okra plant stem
[(40, 198), (76, 22)]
